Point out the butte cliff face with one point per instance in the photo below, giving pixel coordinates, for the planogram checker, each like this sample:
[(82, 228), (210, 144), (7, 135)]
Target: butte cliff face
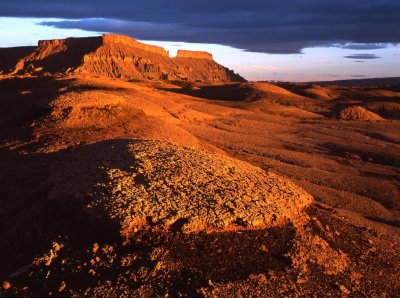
[(119, 56)]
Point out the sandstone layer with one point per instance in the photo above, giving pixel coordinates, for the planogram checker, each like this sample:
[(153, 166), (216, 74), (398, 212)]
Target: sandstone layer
[(120, 56), (194, 54)]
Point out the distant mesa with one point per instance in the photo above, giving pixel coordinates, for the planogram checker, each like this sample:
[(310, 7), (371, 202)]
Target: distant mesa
[(114, 56), (114, 38), (194, 54)]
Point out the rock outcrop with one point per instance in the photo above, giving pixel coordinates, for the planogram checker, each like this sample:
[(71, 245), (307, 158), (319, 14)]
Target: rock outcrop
[(358, 113), (194, 54), (172, 184), (123, 57), (58, 55), (113, 38)]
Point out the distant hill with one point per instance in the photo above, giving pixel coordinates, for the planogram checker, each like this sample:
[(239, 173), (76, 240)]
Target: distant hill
[(362, 82), (114, 56)]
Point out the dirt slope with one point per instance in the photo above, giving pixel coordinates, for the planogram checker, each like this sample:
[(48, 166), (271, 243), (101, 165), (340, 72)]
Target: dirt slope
[(154, 195), (170, 184), (311, 90), (118, 188), (358, 113)]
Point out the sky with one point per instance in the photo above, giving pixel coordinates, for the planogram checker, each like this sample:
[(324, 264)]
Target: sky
[(287, 40)]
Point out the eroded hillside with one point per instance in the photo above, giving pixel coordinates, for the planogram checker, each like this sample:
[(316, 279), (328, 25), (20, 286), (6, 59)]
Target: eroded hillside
[(122, 188)]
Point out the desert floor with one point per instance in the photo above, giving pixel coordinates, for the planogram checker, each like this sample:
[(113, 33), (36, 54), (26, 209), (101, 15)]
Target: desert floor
[(64, 138)]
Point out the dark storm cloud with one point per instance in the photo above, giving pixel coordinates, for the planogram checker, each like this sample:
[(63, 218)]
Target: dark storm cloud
[(275, 26), (362, 56)]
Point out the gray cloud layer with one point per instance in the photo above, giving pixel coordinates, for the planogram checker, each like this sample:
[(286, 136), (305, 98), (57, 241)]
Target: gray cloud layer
[(275, 26), (362, 56)]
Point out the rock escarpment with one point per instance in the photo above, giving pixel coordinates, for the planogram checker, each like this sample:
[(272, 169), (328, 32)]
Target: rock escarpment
[(123, 57), (112, 38), (57, 56), (194, 54)]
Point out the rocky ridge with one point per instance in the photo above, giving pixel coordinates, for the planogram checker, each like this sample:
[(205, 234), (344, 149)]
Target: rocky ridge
[(123, 57)]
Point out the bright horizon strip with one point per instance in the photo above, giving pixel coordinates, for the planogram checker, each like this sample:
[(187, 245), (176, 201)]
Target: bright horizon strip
[(313, 64)]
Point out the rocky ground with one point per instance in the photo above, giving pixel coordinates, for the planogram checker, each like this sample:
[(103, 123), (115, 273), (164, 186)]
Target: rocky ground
[(117, 188)]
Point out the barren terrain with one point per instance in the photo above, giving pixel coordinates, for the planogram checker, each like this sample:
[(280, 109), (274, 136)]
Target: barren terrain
[(121, 187)]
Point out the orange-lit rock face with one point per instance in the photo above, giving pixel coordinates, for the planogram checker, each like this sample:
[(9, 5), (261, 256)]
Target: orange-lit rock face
[(194, 54), (57, 55), (119, 56), (114, 38)]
